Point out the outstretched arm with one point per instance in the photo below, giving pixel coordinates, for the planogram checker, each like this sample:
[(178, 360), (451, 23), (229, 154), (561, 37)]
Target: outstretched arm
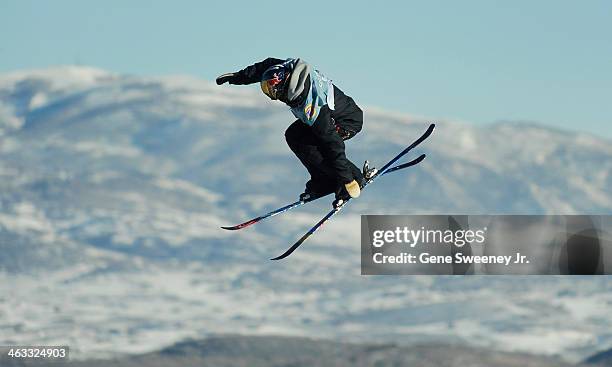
[(249, 75)]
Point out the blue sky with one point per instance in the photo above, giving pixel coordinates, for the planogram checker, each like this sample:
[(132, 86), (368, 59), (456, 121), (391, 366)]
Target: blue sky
[(478, 61)]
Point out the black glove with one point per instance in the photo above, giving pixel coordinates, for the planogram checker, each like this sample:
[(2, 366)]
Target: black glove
[(228, 77)]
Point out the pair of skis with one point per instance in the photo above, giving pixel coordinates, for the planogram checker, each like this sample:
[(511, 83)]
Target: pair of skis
[(387, 168)]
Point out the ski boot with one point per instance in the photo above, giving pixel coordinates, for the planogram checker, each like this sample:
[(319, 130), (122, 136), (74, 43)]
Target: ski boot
[(341, 197), (367, 171), (342, 192), (315, 189)]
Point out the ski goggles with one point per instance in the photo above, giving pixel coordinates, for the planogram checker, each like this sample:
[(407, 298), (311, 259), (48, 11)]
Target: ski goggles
[(269, 89)]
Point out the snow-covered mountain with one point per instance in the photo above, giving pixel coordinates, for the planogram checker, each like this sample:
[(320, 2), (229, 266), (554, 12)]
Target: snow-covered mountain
[(113, 189), (282, 351)]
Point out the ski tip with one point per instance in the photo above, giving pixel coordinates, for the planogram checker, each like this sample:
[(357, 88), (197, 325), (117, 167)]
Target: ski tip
[(286, 253), (242, 225), (293, 247), (282, 256)]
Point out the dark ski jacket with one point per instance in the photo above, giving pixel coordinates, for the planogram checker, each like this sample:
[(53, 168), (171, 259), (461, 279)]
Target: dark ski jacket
[(346, 118)]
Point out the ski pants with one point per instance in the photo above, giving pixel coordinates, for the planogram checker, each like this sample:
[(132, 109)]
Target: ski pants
[(306, 146)]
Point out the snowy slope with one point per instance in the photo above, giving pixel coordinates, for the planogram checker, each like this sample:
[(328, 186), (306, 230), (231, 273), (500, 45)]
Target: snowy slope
[(113, 188)]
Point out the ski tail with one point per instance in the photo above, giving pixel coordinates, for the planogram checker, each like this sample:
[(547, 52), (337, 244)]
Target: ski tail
[(413, 162), (425, 135)]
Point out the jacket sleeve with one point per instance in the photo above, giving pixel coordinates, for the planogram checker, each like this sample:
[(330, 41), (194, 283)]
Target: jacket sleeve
[(252, 74), (332, 146)]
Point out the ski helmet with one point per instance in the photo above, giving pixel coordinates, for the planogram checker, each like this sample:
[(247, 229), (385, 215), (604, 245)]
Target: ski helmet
[(273, 81)]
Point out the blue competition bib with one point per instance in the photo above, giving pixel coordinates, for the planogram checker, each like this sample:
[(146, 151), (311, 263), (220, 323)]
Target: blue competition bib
[(321, 93)]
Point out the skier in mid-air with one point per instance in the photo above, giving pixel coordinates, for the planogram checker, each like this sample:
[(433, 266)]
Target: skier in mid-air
[(326, 117)]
